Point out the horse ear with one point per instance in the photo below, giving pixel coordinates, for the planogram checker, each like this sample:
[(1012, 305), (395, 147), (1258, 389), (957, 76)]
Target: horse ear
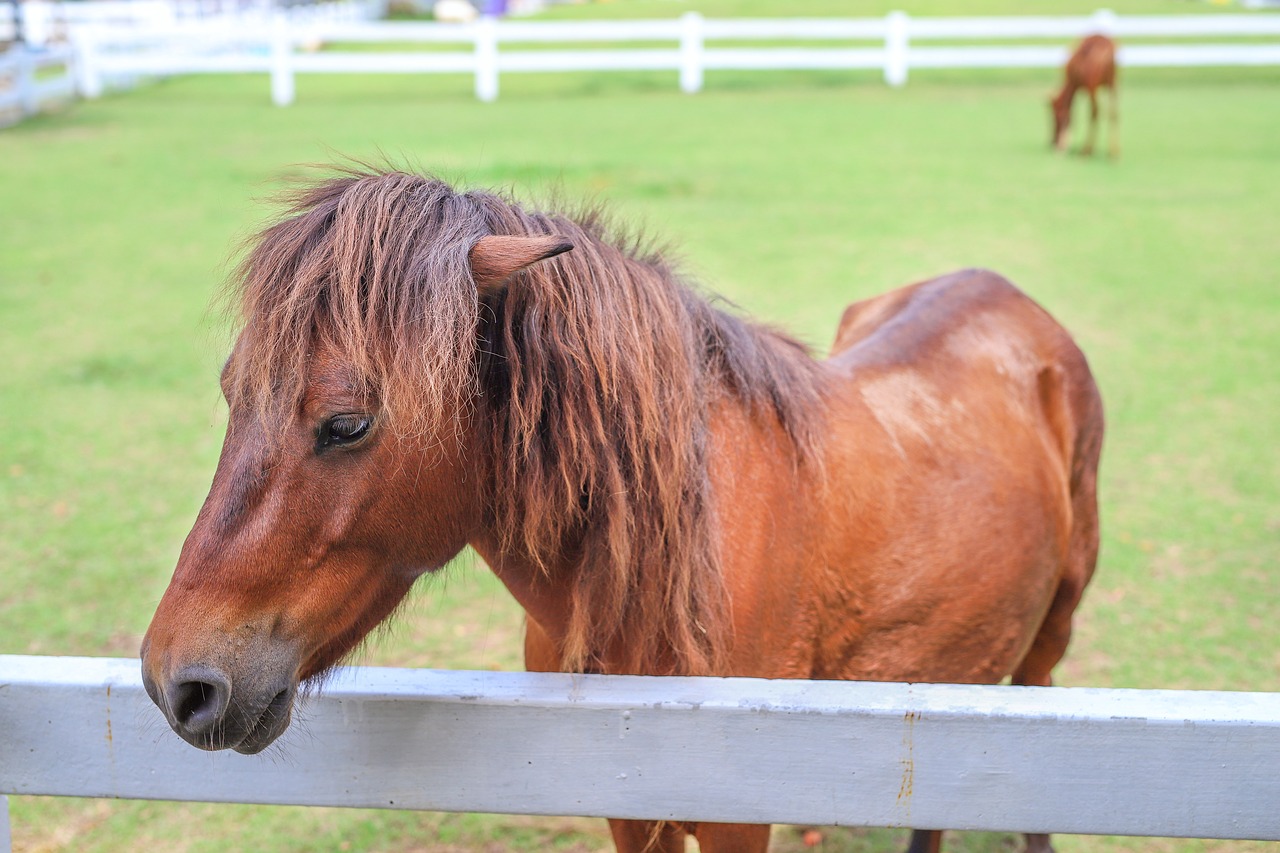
[(495, 259)]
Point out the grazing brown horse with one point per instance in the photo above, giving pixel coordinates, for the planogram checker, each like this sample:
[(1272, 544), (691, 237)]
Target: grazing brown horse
[(665, 488), (1091, 67)]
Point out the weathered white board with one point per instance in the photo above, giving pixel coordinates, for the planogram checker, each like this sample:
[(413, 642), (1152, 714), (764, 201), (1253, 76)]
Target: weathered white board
[(1129, 762)]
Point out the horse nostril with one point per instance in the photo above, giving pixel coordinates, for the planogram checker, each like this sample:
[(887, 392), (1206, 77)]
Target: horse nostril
[(199, 703), (192, 698)]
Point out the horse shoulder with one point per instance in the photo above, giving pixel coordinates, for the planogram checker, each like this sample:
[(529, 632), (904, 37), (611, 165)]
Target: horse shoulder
[(769, 540)]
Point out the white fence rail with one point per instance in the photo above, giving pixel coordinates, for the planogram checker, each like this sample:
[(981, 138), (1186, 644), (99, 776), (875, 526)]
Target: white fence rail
[(894, 44), (1127, 762), (30, 79)]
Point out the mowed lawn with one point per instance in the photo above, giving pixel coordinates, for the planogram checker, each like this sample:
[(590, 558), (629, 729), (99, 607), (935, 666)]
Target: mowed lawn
[(792, 194)]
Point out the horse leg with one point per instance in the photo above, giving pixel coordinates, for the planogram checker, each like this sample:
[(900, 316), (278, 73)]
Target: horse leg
[(732, 837), (647, 836), (629, 836), (1093, 123), (925, 841), (1081, 557), (1047, 649), (1050, 643), (1114, 113), (1038, 843)]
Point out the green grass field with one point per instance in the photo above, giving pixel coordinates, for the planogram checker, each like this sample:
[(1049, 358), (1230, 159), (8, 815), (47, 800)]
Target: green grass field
[(793, 194)]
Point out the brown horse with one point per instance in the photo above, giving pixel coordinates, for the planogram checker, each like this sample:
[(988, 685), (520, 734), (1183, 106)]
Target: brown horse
[(665, 488), (1091, 67)]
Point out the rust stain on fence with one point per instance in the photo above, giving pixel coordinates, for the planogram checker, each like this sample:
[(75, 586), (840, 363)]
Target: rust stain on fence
[(908, 761), (109, 738)]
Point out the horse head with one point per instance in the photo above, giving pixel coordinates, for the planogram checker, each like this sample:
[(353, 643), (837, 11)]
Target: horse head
[(1060, 115), (328, 501)]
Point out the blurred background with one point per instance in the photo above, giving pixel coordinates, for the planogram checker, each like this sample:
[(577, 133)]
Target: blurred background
[(791, 191)]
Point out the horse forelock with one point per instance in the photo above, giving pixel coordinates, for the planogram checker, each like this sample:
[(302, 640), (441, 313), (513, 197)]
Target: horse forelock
[(593, 376), (373, 267)]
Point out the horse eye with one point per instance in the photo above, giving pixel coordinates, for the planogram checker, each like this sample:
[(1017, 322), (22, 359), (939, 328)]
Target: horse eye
[(343, 430)]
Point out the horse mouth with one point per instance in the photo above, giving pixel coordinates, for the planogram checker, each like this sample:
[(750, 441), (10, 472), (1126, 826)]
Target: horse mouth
[(269, 726)]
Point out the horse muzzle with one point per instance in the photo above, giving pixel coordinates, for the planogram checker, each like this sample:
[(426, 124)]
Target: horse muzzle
[(201, 705), (213, 706)]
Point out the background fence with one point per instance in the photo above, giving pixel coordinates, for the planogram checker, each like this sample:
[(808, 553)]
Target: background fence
[(31, 79), (42, 22), (1126, 762), (894, 45), (43, 64)]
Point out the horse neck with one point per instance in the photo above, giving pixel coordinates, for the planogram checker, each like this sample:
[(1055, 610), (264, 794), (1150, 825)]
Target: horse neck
[(543, 598), (544, 586), (1069, 88), (596, 417)]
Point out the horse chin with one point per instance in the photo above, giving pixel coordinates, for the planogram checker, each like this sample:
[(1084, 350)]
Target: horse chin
[(317, 669), (273, 721)]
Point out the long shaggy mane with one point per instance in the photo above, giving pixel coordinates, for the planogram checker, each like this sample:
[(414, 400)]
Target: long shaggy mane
[(593, 377)]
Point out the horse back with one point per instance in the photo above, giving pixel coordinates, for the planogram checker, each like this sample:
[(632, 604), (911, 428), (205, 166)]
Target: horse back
[(1093, 63), (974, 336)]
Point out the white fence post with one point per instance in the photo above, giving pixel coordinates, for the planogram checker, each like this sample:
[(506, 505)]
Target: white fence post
[(26, 78), (36, 20), (88, 80), (1104, 22), (282, 86), (5, 842), (895, 49), (690, 52), (486, 34)]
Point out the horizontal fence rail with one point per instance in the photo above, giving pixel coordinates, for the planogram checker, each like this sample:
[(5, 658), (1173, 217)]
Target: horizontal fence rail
[(1126, 762), (893, 44)]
